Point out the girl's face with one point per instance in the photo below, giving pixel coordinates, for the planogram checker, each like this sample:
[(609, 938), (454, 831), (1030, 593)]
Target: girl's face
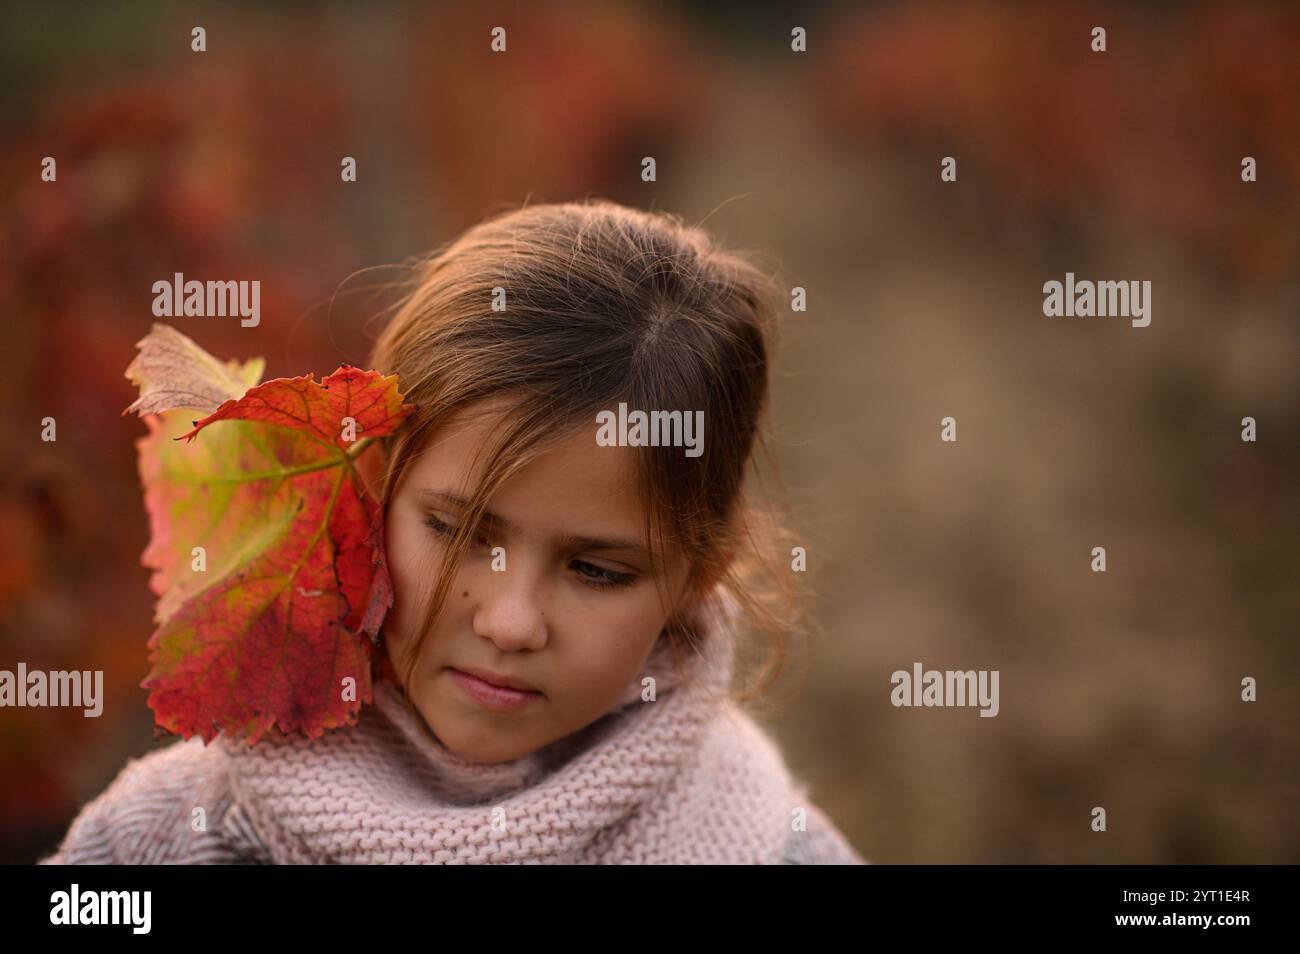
[(572, 616)]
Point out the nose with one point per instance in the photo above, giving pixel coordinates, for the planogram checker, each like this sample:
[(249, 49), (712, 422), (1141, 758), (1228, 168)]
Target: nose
[(510, 612)]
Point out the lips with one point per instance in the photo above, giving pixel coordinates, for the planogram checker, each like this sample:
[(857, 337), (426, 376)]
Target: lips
[(491, 696), (503, 682)]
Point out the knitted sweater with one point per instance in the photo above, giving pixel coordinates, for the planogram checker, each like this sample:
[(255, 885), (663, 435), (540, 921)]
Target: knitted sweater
[(685, 778)]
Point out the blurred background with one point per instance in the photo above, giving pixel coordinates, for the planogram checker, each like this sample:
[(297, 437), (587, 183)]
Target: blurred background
[(1119, 689)]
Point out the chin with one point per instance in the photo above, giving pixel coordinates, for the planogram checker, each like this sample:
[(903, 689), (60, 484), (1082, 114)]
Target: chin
[(473, 747)]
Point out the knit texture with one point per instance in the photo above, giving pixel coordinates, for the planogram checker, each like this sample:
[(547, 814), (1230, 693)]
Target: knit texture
[(686, 778)]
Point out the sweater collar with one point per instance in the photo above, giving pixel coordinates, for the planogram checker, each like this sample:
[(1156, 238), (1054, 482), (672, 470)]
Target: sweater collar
[(670, 771), (709, 668)]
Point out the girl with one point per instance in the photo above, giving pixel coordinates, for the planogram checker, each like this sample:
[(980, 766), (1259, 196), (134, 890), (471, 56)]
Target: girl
[(560, 652)]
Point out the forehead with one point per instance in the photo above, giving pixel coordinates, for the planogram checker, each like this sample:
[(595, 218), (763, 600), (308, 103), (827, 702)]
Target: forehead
[(574, 485)]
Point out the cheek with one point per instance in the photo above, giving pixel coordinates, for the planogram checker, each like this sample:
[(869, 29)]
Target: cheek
[(610, 643), (413, 568)]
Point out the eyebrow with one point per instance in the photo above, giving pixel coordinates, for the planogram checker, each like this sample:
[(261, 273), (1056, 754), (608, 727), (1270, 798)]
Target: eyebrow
[(567, 540)]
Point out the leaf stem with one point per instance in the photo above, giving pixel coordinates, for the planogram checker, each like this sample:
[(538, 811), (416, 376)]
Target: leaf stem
[(355, 452), (239, 478)]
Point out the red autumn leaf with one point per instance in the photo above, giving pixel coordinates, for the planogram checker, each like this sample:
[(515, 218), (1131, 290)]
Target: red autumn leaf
[(265, 624)]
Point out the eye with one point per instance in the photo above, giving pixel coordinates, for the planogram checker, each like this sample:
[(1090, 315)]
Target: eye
[(443, 529), (600, 578)]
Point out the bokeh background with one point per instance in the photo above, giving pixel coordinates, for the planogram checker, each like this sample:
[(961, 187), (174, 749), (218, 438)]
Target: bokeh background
[(1118, 689)]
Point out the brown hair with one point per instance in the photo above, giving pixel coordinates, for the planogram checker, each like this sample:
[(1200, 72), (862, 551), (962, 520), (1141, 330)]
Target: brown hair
[(607, 304)]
